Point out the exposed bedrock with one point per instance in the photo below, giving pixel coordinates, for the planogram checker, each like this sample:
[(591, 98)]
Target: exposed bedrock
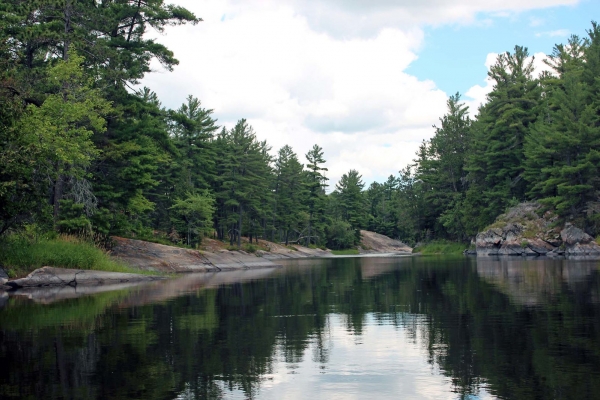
[(522, 231)]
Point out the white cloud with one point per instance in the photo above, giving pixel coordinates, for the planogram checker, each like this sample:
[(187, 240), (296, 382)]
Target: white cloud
[(350, 18), (327, 72), (556, 33), (535, 21)]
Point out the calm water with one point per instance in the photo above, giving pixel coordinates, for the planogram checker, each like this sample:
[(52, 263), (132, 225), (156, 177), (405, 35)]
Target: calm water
[(372, 328)]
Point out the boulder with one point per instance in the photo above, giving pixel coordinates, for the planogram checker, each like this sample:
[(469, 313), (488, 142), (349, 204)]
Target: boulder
[(577, 242), (489, 242), (3, 276), (540, 246)]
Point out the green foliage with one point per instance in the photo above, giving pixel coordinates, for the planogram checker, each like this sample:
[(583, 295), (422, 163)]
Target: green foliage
[(242, 182), (289, 194), (346, 252), (495, 164), (22, 256), (441, 247), (563, 151), (316, 183), (196, 211), (349, 202), (340, 235), (81, 153), (441, 171)]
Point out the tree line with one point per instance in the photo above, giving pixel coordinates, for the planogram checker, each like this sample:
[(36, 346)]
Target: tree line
[(536, 138), (81, 150)]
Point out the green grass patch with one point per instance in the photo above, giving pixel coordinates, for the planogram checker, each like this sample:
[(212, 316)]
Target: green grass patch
[(441, 247), (346, 252), (21, 256), (158, 240)]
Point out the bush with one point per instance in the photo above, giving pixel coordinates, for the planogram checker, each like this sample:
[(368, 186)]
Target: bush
[(340, 235), (346, 252), (441, 247), (250, 248)]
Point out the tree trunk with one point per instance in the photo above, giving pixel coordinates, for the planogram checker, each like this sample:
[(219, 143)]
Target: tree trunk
[(57, 195), (309, 230), (239, 238), (68, 28)]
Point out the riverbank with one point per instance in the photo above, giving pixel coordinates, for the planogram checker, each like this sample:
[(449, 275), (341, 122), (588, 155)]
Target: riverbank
[(71, 258), (19, 256)]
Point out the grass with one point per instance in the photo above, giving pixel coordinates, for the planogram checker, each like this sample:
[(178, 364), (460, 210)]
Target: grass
[(158, 240), (248, 248), (21, 256), (441, 247), (346, 252)]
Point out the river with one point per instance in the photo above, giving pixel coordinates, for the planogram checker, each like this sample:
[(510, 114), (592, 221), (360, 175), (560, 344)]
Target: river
[(347, 328)]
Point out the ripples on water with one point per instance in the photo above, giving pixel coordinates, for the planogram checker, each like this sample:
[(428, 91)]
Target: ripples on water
[(422, 328)]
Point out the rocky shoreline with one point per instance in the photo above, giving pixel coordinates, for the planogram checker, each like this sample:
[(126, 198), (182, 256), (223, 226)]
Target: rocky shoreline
[(164, 259), (523, 232)]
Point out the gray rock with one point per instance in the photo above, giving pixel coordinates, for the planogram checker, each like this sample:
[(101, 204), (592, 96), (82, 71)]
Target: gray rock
[(49, 276), (511, 247), (3, 276), (488, 242), (572, 235), (539, 246), (577, 242)]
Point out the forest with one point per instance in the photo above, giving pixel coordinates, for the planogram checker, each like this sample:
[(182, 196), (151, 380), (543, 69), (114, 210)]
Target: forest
[(85, 151)]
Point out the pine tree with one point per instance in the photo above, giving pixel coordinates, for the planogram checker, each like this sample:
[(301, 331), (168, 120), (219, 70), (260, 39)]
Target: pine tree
[(563, 151), (441, 168), (289, 192), (315, 184), (496, 161), (351, 201), (242, 182)]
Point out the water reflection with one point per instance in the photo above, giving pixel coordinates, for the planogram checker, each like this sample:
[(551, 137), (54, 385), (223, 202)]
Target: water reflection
[(342, 328), (536, 281)]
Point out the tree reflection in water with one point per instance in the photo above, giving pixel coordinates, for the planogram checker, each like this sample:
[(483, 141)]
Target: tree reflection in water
[(517, 328)]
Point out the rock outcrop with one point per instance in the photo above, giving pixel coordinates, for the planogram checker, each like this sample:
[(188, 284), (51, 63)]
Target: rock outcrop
[(522, 231), (159, 257), (577, 242), (50, 276), (372, 242)]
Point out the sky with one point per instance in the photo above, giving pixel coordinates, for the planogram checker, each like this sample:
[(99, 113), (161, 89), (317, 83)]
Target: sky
[(364, 79)]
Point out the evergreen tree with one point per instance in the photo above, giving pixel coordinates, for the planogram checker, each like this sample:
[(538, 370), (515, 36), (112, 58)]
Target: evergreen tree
[(289, 192), (126, 175), (495, 164), (563, 151), (351, 202), (242, 180), (193, 132), (441, 169), (315, 184)]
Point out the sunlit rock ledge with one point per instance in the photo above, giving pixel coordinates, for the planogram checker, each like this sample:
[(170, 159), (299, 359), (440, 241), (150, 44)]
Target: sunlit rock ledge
[(522, 231)]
